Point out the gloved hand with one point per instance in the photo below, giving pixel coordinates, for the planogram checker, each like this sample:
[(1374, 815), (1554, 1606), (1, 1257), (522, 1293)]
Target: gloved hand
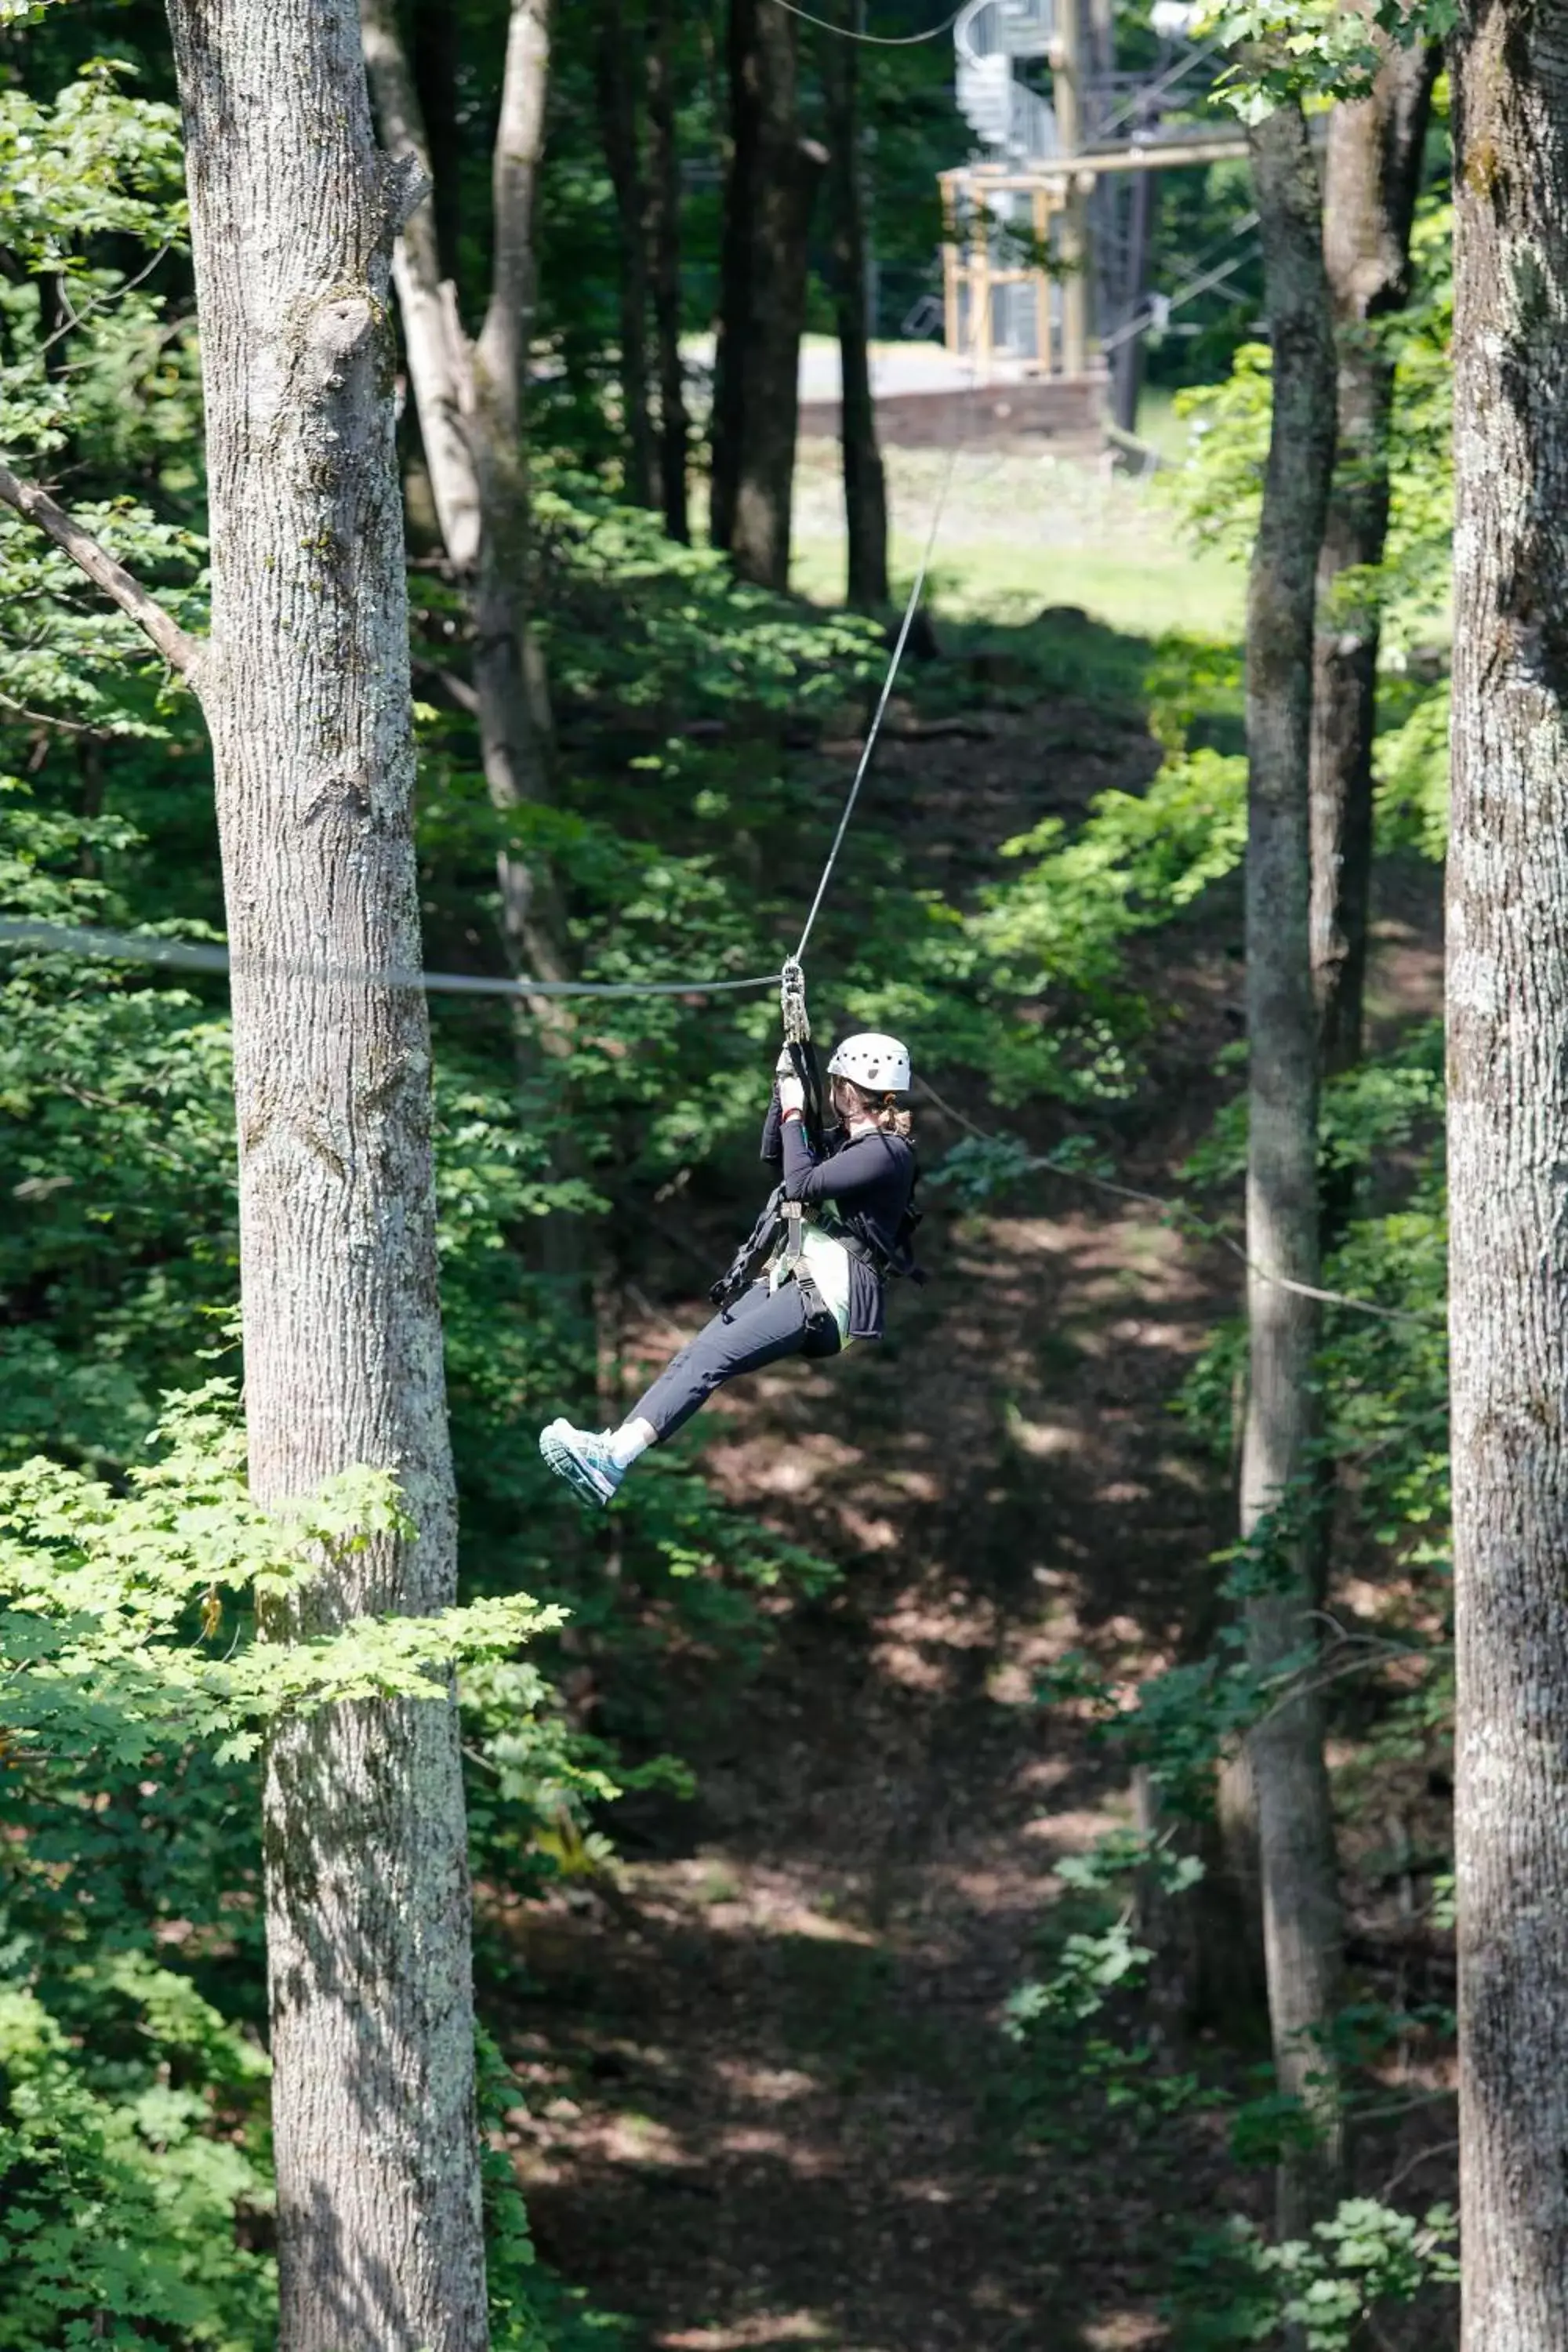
[(792, 1094)]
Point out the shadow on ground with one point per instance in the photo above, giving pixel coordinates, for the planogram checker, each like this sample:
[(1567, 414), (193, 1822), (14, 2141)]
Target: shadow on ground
[(766, 2095), (771, 2100)]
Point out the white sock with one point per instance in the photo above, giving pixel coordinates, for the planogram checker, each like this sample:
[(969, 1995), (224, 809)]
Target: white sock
[(632, 1438)]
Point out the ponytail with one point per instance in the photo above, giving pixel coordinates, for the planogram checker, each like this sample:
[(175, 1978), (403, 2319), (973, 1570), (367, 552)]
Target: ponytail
[(886, 1112)]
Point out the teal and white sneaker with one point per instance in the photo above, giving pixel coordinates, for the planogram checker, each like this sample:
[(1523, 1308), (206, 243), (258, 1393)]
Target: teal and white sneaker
[(583, 1459)]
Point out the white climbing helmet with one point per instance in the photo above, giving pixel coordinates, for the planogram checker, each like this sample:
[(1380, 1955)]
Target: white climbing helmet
[(879, 1063)]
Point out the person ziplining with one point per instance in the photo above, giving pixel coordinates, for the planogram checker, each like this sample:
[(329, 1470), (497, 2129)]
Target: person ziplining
[(810, 1280)]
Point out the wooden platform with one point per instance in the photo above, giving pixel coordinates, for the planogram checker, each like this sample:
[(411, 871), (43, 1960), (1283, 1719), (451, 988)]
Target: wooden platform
[(1025, 408)]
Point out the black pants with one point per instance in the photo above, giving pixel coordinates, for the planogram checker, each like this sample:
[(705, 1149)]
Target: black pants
[(761, 1327)]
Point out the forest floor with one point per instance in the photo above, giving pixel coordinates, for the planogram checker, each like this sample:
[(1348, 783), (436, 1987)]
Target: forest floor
[(769, 2101)]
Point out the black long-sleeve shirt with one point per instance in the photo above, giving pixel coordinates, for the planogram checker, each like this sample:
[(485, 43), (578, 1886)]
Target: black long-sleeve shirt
[(867, 1180)]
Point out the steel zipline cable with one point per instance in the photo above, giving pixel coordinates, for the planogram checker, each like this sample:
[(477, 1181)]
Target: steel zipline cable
[(22, 933), (874, 40), (911, 606), (34, 933)]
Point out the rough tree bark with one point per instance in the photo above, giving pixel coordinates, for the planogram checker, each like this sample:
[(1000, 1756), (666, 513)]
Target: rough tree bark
[(1508, 1128), (616, 92), (865, 489), (1302, 1925), (470, 399), (304, 686), (1372, 176), (304, 683), (761, 299), (664, 239)]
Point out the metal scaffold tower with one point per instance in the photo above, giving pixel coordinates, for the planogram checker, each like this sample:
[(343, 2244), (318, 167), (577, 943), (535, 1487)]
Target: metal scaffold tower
[(1033, 224)]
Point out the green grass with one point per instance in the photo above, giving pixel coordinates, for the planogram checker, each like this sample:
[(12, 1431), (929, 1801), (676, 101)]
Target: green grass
[(1159, 424), (1020, 531)]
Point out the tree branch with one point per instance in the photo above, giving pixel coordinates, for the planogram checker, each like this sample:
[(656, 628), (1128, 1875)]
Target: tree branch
[(457, 688), (178, 647)]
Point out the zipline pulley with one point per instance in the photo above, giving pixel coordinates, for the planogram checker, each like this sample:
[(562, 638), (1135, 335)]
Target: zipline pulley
[(802, 1052), (791, 1004)]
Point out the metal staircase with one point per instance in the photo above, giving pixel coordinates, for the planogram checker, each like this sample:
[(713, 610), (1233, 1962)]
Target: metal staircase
[(1013, 122), (1049, 223), (1115, 111)]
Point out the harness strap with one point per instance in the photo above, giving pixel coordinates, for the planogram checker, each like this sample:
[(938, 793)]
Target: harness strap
[(820, 1319), (884, 1267)]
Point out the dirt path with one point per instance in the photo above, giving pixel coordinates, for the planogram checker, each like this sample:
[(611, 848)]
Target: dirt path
[(769, 2101)]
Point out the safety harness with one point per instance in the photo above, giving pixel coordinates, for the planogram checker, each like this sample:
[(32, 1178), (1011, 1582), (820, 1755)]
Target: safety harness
[(783, 1221), (820, 1323)]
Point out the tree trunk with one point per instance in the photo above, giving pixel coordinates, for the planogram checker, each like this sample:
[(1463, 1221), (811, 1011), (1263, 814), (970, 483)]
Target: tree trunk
[(1508, 1128), (762, 302), (1372, 178), (664, 240), (864, 491), (1128, 360), (1295, 1847), (509, 669), (305, 684), (436, 34), (470, 403), (619, 131)]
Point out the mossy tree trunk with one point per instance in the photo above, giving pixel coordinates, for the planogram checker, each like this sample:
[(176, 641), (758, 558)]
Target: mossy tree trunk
[(305, 686)]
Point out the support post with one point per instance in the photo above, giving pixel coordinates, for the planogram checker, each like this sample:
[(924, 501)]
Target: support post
[(1066, 63), (1042, 227), (981, 322), (952, 324)]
